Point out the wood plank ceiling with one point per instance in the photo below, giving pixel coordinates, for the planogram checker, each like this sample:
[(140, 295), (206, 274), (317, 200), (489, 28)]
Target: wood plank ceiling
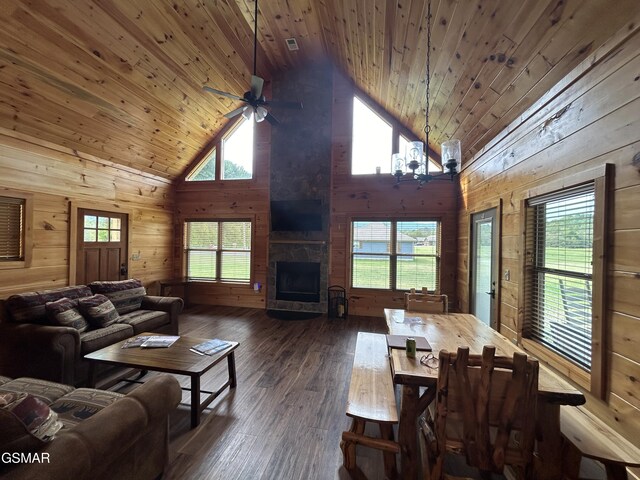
[(122, 79)]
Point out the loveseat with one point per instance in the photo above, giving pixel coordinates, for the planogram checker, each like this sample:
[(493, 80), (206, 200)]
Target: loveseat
[(104, 435), (46, 334)]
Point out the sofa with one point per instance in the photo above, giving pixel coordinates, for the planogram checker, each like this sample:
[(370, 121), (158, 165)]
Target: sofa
[(100, 434), (46, 334)]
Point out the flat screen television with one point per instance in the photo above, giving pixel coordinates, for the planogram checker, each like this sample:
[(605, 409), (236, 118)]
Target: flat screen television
[(296, 216)]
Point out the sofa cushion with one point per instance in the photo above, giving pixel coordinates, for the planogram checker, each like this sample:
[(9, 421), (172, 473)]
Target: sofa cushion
[(64, 312), (126, 295), (29, 307), (98, 310), (103, 337), (37, 417), (145, 320), (81, 404)]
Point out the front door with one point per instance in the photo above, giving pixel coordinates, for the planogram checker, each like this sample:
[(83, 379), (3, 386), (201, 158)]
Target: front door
[(484, 266), (102, 246)]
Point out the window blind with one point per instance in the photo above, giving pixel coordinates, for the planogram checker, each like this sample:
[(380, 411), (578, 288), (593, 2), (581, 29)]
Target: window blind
[(11, 228), (560, 283), (218, 250)]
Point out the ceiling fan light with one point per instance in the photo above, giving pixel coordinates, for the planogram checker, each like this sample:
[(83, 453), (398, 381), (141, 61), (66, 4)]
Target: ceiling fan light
[(261, 114), (246, 113)]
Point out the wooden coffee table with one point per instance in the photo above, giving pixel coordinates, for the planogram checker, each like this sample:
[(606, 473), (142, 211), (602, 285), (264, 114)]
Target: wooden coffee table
[(176, 359)]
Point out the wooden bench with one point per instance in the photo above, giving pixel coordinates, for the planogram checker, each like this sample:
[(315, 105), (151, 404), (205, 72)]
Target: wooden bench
[(371, 399), (587, 436)]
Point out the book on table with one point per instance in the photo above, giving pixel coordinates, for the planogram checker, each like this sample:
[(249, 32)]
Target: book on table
[(400, 341), (211, 346), (150, 341)]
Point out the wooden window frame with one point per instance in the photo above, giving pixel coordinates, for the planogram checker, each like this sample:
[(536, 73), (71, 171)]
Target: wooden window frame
[(27, 231), (393, 256), (218, 219), (216, 144), (595, 381)]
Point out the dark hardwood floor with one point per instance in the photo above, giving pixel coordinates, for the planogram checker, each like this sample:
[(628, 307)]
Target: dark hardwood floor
[(285, 418)]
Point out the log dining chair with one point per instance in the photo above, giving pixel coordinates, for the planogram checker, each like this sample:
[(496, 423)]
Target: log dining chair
[(425, 302), (485, 410)]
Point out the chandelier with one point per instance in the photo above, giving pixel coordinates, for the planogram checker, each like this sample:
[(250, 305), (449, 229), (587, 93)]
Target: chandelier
[(415, 160)]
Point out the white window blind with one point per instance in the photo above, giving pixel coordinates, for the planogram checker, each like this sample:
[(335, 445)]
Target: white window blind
[(11, 228), (560, 278), (218, 250)]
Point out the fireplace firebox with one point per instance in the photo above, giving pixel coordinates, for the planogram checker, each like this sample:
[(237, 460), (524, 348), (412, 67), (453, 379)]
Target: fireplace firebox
[(298, 281)]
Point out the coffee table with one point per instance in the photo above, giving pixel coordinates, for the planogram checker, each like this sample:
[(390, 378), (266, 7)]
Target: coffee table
[(176, 359)]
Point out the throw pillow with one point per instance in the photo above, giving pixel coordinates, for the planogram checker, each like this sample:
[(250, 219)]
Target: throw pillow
[(64, 312), (126, 295), (98, 310), (27, 422)]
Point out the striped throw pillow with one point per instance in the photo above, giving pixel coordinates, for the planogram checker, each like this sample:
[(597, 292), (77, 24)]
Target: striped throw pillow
[(126, 295), (99, 310)]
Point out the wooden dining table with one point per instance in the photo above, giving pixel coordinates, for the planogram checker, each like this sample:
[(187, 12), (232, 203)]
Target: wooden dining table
[(448, 332)]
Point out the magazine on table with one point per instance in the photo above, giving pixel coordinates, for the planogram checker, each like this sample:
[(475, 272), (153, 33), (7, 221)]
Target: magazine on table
[(211, 346), (150, 341), (135, 342), (160, 341)]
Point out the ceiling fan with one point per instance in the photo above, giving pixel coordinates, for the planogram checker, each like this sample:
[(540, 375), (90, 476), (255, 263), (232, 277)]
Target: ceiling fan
[(255, 102)]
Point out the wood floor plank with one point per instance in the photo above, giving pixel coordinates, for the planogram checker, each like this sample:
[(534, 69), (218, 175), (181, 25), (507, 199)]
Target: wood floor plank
[(285, 418)]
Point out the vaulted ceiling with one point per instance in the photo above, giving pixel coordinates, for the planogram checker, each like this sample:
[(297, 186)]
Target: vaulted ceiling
[(122, 79)]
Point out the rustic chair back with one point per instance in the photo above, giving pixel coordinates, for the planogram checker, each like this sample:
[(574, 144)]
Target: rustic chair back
[(425, 302), (485, 409)]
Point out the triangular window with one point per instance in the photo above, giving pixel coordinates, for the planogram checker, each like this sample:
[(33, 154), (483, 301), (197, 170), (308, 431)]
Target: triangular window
[(205, 170)]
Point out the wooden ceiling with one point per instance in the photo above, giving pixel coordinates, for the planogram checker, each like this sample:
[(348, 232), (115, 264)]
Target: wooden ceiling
[(122, 79)]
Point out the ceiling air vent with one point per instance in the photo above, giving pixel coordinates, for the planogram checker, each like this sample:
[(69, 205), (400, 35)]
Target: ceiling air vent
[(292, 44)]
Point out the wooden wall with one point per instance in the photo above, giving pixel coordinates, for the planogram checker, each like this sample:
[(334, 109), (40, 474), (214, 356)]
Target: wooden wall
[(589, 119), (56, 176), (375, 196), (231, 199)]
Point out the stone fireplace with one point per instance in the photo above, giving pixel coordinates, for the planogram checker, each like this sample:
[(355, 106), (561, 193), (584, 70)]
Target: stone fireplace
[(299, 182)]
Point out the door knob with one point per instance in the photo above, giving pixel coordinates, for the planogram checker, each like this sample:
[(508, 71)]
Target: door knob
[(492, 293)]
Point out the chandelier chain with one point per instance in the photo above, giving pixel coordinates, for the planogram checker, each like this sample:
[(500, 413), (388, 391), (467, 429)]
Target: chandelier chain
[(427, 127)]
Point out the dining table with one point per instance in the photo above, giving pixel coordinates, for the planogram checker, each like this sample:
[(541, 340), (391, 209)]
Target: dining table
[(418, 383)]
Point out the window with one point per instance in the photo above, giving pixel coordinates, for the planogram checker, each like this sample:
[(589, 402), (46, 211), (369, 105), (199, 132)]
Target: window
[(205, 170), (372, 141), (16, 232), (102, 228), (395, 255), (218, 250), (237, 152), (12, 227), (236, 145), (560, 235)]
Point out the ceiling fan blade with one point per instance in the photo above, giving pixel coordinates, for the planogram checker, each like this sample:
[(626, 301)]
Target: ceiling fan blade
[(221, 93), (271, 119), (235, 112), (256, 86), (277, 103)]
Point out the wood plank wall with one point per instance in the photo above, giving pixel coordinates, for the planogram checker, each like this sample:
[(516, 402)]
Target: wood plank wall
[(375, 196), (231, 199), (56, 176), (589, 119)]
